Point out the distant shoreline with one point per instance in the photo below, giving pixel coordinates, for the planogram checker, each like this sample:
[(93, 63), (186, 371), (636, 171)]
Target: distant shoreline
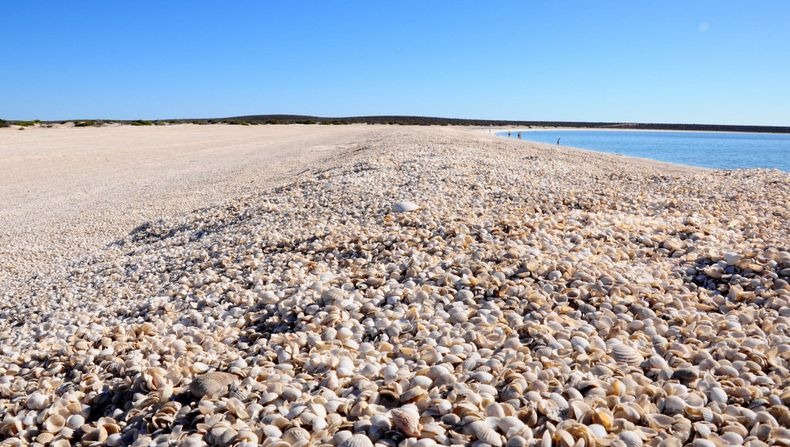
[(410, 120)]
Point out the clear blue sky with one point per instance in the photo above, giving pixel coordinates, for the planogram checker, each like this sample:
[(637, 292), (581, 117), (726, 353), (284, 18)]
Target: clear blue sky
[(719, 61)]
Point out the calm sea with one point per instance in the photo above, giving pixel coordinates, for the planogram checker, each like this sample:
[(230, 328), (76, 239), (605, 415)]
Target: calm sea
[(720, 150)]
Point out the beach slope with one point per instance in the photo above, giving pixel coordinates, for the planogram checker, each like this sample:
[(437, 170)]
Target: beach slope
[(434, 283)]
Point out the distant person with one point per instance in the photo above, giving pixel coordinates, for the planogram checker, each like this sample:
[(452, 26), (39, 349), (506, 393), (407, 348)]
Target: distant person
[(519, 135), (508, 134), (558, 141)]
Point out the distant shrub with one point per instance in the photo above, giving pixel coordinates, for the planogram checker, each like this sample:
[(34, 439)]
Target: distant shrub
[(89, 123), (25, 123), (141, 123), (4, 123), (236, 122)]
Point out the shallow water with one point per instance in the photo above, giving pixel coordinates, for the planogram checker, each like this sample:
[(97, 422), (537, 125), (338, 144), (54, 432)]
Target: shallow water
[(720, 150)]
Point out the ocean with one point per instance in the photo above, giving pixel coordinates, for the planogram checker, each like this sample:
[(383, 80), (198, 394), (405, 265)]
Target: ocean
[(718, 150)]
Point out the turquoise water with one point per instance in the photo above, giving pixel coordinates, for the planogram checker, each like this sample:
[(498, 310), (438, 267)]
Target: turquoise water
[(720, 150)]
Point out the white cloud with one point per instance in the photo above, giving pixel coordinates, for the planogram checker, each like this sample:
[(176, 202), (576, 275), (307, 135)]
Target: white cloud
[(704, 26)]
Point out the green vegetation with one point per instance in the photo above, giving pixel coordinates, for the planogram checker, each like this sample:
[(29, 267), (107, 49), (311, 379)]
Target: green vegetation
[(89, 123), (410, 121), (25, 123)]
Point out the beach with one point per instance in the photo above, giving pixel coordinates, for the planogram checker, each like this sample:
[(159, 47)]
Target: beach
[(383, 285), (68, 191)]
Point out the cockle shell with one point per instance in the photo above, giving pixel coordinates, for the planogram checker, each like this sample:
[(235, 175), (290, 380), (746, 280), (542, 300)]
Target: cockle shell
[(407, 420), (295, 435), (212, 384), (630, 439), (485, 433), (54, 423), (357, 440), (625, 354)]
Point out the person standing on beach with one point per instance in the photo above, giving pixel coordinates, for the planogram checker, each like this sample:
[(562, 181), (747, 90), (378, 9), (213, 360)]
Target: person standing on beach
[(519, 135), (558, 141)]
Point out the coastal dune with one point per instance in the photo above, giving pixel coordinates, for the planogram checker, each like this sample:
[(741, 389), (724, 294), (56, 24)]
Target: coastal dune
[(394, 285)]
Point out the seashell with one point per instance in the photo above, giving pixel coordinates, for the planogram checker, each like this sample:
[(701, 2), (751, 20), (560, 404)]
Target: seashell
[(673, 405), (685, 374), (295, 435), (54, 423), (550, 409), (236, 408), (407, 420), (98, 434), (404, 206), (75, 421), (37, 401), (485, 433), (212, 384), (357, 440), (221, 435), (165, 415), (333, 295), (597, 430), (630, 438), (45, 438), (660, 422), (603, 417), (625, 354)]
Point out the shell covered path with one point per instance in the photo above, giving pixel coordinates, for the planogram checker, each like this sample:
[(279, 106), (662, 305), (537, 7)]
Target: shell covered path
[(430, 287)]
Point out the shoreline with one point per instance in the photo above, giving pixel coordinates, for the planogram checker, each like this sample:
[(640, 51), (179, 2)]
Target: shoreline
[(647, 159)]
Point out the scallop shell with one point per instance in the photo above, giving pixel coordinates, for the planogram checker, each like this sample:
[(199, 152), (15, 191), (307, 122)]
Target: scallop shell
[(212, 384), (625, 354), (357, 440), (407, 420)]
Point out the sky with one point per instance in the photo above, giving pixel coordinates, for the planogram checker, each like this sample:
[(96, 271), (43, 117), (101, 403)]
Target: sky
[(717, 62)]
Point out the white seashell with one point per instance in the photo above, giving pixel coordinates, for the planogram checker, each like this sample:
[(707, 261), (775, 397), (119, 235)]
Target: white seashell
[(75, 421), (407, 420), (54, 423), (510, 425), (404, 206), (485, 433), (296, 434), (341, 436), (358, 440), (630, 439), (597, 430), (37, 401), (625, 354), (673, 405)]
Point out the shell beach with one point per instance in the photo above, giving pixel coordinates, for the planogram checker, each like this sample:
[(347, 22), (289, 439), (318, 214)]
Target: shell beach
[(428, 286)]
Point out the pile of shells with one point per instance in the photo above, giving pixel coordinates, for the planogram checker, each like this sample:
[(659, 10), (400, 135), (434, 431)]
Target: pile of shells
[(429, 289)]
